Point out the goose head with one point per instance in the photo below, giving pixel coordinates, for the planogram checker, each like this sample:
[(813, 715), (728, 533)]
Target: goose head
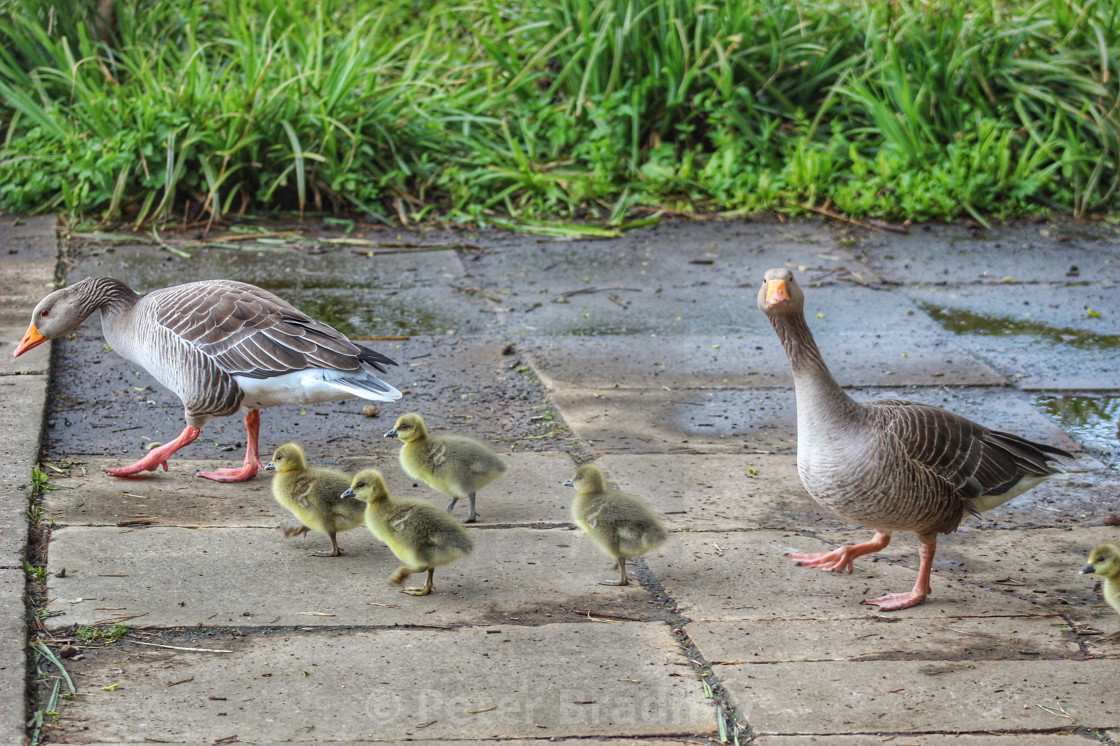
[(288, 457), (409, 427), (588, 478), (780, 294), (59, 313), (367, 486), (1104, 560)]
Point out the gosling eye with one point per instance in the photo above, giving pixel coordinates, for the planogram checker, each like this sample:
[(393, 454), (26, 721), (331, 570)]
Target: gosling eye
[(361, 484)]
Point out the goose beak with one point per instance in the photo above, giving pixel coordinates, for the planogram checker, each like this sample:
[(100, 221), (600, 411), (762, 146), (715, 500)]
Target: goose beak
[(1088, 569), (30, 340), (392, 433), (776, 293), (349, 492)]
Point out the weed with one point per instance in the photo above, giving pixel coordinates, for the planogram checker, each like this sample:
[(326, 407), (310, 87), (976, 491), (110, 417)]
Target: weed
[(90, 634)]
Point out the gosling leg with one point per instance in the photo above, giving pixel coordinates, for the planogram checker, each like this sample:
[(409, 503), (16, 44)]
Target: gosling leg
[(425, 589), (400, 574), (471, 515), (622, 579), (336, 550)]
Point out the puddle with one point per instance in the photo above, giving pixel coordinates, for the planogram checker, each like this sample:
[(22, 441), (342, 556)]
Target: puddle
[(1090, 420), (966, 322)]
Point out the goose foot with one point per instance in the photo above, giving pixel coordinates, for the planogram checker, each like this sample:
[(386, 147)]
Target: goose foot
[(157, 457), (841, 558), (896, 601), (243, 474)]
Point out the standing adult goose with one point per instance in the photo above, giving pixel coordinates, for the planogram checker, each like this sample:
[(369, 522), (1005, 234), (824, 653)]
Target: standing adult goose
[(222, 347), (891, 464)]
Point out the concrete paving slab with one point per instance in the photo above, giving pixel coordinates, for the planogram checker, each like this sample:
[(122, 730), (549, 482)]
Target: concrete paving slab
[(535, 681), (21, 425), (671, 254), (931, 739), (1043, 564), (13, 656), (745, 576), (531, 492), (1024, 251), (746, 643), (1044, 338), (763, 420), (923, 696), (159, 577), (721, 492), (734, 360)]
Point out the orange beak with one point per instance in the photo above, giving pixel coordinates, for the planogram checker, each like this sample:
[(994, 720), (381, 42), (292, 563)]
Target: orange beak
[(30, 340), (776, 293)]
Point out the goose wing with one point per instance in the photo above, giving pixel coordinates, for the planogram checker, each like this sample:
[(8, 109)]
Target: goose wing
[(974, 460), (250, 332)]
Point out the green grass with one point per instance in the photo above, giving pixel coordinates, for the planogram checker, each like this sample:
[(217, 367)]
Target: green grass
[(478, 110)]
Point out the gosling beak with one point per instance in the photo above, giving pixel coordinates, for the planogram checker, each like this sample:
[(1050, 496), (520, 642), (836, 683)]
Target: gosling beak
[(270, 466), (569, 483), (1088, 569), (348, 492), (30, 340), (391, 434), (776, 293)]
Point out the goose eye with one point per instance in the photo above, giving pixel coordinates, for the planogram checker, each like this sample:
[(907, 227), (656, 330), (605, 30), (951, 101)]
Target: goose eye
[(45, 313)]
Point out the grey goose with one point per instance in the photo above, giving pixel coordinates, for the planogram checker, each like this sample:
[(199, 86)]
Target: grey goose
[(891, 464), (222, 347)]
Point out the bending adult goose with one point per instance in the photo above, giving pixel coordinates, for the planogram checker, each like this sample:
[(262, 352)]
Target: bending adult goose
[(222, 347), (891, 464)]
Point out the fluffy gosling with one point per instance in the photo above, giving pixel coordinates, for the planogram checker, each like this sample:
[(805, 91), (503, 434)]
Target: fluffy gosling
[(1104, 560), (422, 536), (620, 524), (452, 464), (310, 493)]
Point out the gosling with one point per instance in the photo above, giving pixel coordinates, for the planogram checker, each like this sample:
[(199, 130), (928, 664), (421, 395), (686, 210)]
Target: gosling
[(620, 524), (422, 536), (310, 493), (1104, 560), (452, 464)]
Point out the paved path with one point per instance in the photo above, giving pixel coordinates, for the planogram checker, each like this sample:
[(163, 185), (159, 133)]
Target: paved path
[(649, 354)]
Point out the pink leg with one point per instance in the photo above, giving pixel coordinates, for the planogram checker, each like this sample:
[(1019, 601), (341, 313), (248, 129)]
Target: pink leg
[(252, 457), (896, 601), (157, 457), (841, 559)]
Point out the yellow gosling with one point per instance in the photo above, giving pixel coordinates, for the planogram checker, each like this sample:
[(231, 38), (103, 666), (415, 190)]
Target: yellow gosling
[(422, 536), (620, 524), (311, 493), (454, 465), (1104, 560)]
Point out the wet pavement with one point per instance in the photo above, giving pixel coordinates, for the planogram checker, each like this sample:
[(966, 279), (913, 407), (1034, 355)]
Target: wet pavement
[(646, 353)]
